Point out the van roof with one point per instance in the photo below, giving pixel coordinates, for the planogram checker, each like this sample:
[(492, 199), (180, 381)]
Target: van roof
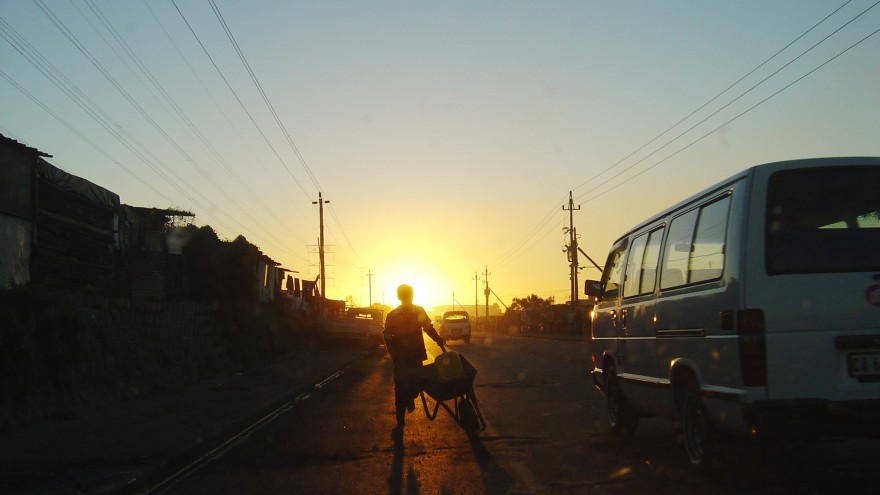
[(765, 168), (457, 312)]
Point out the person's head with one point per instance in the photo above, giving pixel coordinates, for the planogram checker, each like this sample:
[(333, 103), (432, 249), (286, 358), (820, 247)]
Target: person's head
[(405, 293)]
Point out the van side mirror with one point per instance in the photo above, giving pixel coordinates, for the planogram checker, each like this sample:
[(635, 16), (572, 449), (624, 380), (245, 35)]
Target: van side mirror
[(593, 288)]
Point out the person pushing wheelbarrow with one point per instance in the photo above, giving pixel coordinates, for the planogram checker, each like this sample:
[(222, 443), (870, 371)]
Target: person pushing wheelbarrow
[(403, 339)]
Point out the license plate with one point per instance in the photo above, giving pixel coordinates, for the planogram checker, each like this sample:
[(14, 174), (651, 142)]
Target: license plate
[(864, 365)]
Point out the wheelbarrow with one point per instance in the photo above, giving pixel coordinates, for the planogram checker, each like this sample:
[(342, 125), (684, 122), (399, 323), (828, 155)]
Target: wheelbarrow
[(450, 378)]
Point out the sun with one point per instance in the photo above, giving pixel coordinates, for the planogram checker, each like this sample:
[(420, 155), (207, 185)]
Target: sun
[(428, 283), (431, 269)]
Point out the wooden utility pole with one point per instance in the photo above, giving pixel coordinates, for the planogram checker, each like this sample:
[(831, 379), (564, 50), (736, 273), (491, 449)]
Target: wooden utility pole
[(572, 249), (320, 204), (370, 286), (487, 292), (476, 295)]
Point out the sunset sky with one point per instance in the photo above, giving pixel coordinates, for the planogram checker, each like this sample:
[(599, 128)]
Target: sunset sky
[(446, 135)]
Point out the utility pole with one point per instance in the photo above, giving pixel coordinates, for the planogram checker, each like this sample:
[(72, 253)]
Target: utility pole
[(320, 204), (572, 250), (476, 295), (487, 292), (370, 286)]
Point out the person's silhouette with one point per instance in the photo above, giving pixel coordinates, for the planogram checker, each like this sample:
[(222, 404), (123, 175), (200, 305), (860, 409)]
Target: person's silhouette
[(403, 339)]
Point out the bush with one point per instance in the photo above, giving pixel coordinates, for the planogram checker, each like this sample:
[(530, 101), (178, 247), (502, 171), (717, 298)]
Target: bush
[(253, 333)]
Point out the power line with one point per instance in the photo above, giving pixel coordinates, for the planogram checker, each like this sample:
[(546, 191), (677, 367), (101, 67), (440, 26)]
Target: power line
[(241, 104), (83, 136), (94, 110), (529, 241), (533, 236), (211, 97), (275, 115), (187, 124), (704, 105), (762, 81), (739, 115), (262, 92), (146, 115)]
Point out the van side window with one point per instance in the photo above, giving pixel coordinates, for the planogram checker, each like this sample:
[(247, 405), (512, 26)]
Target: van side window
[(652, 261), (641, 265), (634, 266), (678, 250), (707, 258), (613, 271), (695, 245)]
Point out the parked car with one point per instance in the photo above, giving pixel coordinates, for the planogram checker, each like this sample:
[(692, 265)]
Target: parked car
[(455, 325), (359, 325), (752, 307)]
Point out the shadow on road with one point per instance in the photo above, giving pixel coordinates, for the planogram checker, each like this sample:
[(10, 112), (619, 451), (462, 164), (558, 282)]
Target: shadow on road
[(495, 478), (395, 482)]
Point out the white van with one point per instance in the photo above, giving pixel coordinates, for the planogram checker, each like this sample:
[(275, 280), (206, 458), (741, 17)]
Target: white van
[(455, 325), (751, 307)]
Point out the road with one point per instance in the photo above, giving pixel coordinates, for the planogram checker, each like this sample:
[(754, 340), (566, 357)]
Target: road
[(546, 434)]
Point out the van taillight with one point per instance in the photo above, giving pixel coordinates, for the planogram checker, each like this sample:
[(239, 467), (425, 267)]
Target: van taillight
[(752, 348)]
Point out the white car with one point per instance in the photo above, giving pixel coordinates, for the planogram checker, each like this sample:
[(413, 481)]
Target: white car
[(455, 325)]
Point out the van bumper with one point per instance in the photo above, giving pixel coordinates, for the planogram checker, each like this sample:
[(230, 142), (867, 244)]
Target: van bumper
[(814, 418)]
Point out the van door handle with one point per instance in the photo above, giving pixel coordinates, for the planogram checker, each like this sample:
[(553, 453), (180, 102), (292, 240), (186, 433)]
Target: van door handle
[(623, 320)]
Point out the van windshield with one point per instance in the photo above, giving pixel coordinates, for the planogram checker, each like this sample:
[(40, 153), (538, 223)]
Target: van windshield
[(823, 220)]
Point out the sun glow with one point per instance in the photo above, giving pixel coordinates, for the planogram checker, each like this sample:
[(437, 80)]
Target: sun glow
[(428, 280)]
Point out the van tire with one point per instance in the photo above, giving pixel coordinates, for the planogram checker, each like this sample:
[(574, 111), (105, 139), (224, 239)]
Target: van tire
[(621, 418), (697, 428)]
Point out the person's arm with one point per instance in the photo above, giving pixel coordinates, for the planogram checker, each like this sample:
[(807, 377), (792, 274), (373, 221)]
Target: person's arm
[(428, 328)]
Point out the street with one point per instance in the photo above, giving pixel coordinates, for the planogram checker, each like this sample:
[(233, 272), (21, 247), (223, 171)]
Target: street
[(546, 433)]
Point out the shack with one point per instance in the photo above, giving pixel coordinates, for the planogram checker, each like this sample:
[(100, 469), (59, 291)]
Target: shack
[(57, 230)]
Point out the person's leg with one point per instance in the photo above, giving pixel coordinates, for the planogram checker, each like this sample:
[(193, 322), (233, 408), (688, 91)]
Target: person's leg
[(400, 391), (399, 406), (405, 389)]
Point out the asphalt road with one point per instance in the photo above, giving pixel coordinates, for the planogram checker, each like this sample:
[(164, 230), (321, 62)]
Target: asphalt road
[(546, 434)]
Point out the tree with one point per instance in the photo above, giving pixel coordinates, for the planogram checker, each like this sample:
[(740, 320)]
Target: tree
[(220, 270), (202, 264), (384, 307), (530, 303)]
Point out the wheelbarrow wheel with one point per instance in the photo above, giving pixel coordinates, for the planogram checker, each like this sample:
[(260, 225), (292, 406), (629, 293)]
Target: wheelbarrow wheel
[(468, 418)]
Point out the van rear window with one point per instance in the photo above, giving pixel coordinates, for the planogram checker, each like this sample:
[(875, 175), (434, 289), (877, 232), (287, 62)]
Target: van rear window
[(823, 220)]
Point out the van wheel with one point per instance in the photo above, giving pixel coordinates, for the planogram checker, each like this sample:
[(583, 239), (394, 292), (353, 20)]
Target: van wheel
[(621, 418), (699, 435)]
